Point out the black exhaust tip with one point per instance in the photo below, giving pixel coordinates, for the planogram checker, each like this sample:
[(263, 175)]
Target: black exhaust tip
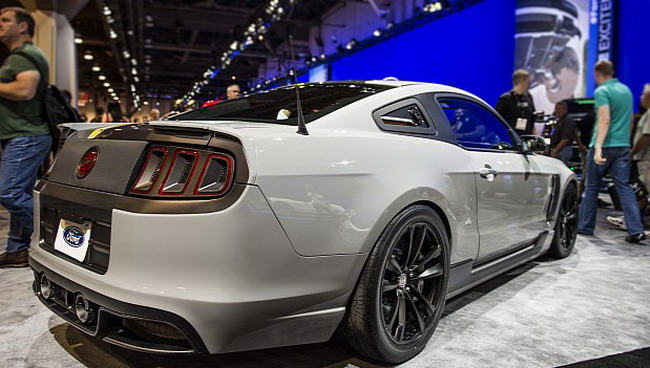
[(45, 287), (84, 309)]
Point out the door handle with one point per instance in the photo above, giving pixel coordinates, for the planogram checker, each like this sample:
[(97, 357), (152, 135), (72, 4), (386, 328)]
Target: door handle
[(487, 172)]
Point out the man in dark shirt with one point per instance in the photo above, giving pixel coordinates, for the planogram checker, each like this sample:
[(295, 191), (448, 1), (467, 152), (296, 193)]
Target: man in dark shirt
[(516, 106), (563, 134), (24, 132)]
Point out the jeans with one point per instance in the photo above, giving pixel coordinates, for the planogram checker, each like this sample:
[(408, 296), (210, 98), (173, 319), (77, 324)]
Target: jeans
[(21, 158), (566, 155), (618, 163)]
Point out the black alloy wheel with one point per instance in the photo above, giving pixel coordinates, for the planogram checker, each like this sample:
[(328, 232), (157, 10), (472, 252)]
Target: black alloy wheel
[(401, 293), (566, 226)]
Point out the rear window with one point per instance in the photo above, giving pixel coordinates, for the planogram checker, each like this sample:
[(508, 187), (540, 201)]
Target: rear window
[(279, 105)]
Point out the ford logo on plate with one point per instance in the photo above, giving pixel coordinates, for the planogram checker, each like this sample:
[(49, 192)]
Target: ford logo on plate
[(73, 236)]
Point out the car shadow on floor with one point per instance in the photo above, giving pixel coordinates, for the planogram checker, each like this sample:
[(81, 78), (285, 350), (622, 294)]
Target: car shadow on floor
[(92, 352)]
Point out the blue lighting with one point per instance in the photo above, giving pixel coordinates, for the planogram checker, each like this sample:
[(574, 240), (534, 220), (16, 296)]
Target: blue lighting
[(472, 49)]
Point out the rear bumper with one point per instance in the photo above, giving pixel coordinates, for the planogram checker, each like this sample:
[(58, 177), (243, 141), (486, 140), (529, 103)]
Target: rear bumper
[(228, 280), (110, 313)]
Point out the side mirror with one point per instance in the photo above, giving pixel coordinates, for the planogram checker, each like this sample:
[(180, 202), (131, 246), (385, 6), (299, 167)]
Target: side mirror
[(534, 143)]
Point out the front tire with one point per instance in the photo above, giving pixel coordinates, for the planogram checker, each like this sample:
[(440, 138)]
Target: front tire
[(401, 293), (566, 226)]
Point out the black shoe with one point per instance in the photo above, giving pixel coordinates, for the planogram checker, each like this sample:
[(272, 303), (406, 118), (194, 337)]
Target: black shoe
[(635, 238), (18, 259)]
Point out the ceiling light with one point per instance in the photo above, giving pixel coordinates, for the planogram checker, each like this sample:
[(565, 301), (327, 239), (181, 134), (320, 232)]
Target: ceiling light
[(96, 68), (88, 56), (107, 11), (377, 32), (111, 90), (78, 40), (112, 34), (101, 77), (146, 103), (107, 84), (234, 77)]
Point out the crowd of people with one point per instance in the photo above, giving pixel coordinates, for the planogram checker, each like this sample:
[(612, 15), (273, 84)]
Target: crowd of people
[(25, 137), (612, 150)]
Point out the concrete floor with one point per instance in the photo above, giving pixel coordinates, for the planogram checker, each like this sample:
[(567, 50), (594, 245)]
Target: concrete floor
[(589, 310)]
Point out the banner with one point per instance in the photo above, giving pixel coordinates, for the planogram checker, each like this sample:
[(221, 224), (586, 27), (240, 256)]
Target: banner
[(601, 46), (551, 42)]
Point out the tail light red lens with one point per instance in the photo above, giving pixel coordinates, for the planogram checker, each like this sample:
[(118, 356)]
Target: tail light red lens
[(217, 176), (180, 172), (216, 173), (153, 164)]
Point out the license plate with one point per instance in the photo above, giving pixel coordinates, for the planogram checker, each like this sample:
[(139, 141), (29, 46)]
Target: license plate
[(72, 239)]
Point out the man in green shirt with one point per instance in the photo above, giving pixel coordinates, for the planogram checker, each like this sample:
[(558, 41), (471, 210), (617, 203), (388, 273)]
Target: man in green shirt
[(24, 133), (610, 149)]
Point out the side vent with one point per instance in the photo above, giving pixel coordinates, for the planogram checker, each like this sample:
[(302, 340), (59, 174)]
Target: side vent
[(554, 197)]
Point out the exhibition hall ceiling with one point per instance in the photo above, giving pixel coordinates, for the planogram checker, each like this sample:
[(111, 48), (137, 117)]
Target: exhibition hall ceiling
[(163, 47)]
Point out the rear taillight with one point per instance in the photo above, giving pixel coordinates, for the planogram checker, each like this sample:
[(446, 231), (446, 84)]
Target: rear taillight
[(180, 173), (151, 170), (180, 167), (216, 176)]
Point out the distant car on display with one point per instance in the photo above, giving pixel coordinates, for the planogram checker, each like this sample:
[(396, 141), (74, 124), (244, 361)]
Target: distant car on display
[(225, 230)]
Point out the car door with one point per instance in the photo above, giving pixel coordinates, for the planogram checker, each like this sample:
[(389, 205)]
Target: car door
[(512, 192)]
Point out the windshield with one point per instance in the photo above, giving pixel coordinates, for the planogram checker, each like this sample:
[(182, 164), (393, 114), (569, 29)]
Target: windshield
[(278, 106)]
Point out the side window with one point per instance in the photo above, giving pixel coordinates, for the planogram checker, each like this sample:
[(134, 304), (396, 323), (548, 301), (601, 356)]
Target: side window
[(407, 116), (475, 126)]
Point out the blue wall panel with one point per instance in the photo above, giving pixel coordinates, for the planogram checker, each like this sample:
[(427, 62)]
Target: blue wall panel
[(472, 49), (633, 45)]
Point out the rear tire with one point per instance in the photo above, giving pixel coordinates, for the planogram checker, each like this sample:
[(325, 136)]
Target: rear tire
[(566, 226), (400, 295)]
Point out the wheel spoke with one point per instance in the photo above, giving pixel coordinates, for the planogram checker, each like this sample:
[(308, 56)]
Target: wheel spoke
[(393, 266), (411, 244), (571, 215), (393, 317), (387, 286), (429, 307), (431, 256), (417, 313), (401, 323), (418, 246), (431, 272)]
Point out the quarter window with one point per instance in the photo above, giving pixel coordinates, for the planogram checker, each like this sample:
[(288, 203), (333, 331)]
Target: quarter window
[(410, 116), (406, 116), (475, 126)]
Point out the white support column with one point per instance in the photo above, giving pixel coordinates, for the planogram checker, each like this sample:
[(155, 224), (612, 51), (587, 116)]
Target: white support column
[(55, 36)]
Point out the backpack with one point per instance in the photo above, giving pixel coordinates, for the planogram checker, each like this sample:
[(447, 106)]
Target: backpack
[(56, 107)]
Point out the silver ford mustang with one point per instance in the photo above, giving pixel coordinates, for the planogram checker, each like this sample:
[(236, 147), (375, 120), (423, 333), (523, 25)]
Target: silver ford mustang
[(354, 211)]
